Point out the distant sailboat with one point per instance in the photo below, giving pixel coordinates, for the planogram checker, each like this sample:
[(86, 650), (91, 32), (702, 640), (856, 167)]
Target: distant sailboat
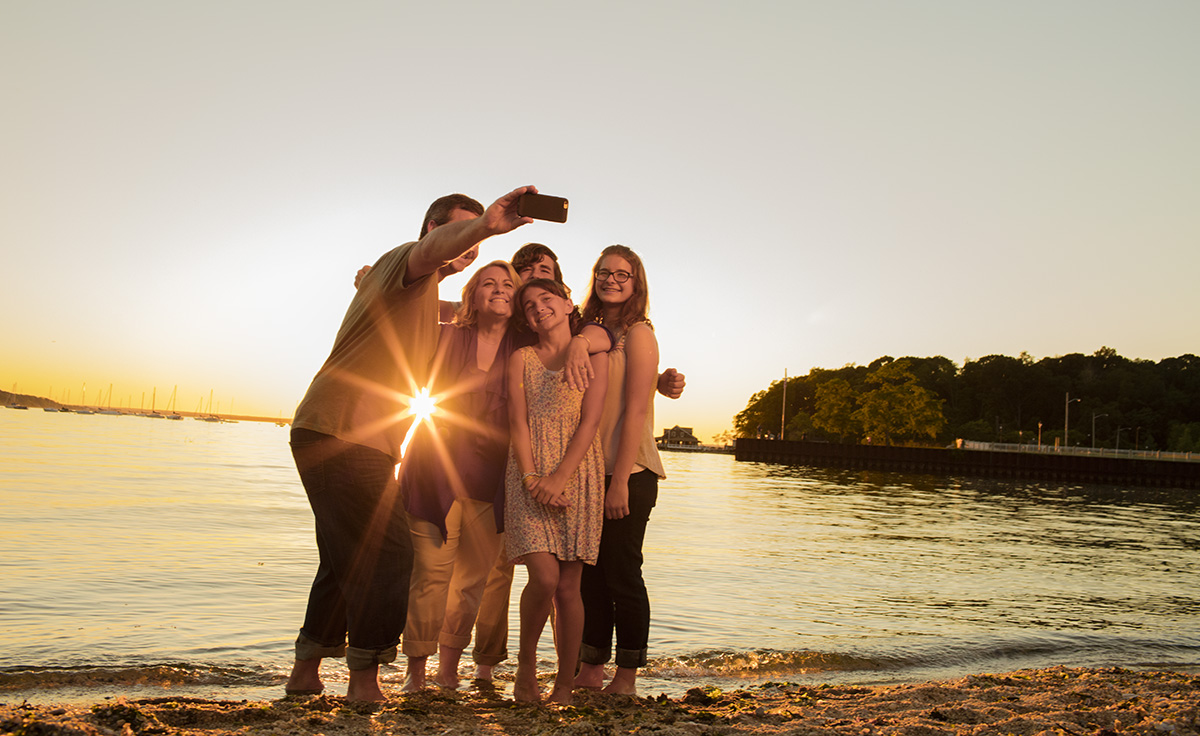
[(207, 416), (109, 409), (13, 403), (154, 414), (171, 405), (83, 407)]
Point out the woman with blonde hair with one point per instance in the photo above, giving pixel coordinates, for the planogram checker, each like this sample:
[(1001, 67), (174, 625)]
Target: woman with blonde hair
[(613, 591), (452, 477), (453, 482)]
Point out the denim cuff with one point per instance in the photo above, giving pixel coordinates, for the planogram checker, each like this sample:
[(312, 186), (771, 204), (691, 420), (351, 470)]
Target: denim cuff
[(361, 659), (589, 654), (631, 658), (307, 648)]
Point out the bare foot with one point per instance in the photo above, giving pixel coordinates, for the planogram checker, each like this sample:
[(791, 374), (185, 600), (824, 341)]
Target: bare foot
[(561, 694), (483, 672), (526, 688), (414, 675), (365, 694), (447, 674), (305, 678), (591, 676), (364, 686), (624, 682)]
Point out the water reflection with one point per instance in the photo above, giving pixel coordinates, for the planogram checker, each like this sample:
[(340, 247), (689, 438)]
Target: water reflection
[(193, 543)]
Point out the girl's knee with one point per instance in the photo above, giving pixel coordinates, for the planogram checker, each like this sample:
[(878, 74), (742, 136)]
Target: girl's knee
[(542, 576), (569, 577)]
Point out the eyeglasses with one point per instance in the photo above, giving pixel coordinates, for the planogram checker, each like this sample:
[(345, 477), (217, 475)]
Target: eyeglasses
[(619, 276)]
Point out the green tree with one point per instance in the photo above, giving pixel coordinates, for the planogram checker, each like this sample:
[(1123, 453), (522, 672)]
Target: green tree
[(1145, 404), (899, 408), (799, 426), (835, 409), (1184, 437), (750, 421)]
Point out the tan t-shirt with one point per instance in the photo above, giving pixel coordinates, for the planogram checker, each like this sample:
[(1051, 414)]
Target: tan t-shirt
[(380, 358)]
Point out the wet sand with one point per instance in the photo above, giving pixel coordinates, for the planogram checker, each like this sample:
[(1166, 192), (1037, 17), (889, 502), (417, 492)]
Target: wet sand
[(1059, 701)]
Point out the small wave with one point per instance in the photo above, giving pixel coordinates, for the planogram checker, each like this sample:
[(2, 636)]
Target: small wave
[(762, 663), (945, 654), (162, 675)]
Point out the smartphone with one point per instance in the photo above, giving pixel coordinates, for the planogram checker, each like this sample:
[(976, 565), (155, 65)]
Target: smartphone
[(542, 207)]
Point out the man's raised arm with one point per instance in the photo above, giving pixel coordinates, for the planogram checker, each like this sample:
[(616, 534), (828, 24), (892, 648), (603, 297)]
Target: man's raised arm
[(447, 242)]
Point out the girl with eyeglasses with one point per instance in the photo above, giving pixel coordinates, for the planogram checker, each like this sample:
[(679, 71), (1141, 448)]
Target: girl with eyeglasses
[(613, 591)]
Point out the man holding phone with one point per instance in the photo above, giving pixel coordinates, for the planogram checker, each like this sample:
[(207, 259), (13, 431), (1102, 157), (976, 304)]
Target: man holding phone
[(346, 439)]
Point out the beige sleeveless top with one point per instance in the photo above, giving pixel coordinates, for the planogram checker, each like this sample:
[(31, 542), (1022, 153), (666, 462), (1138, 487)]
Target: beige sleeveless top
[(613, 419)]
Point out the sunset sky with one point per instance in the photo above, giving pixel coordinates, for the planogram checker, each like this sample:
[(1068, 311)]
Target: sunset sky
[(187, 188)]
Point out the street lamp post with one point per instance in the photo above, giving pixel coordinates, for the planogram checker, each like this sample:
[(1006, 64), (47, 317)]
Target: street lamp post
[(1119, 437), (1067, 421), (1039, 436), (783, 411), (1094, 416)]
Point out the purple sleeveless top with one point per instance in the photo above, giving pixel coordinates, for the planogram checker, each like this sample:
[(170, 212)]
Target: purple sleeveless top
[(463, 453)]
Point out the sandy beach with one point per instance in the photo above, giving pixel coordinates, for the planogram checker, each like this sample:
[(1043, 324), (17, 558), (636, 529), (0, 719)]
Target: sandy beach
[(1060, 701)]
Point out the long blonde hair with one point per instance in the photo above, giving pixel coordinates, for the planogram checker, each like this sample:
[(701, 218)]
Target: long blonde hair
[(635, 309)]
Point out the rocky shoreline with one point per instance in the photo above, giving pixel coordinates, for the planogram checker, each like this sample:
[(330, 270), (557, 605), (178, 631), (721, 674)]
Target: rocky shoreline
[(1058, 700)]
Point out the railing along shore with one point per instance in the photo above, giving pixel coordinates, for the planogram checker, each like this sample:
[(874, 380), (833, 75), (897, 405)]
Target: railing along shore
[(1090, 451), (727, 450), (1061, 466)]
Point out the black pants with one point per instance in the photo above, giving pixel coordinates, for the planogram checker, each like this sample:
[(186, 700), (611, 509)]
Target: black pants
[(614, 593), (360, 591)]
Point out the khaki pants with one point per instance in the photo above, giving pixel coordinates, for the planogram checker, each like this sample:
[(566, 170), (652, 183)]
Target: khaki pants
[(449, 577), (491, 626)]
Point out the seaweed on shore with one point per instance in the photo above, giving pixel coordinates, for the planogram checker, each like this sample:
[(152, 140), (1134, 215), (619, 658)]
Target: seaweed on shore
[(1057, 701)]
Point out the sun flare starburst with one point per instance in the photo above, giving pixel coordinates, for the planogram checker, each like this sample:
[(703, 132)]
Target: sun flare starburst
[(421, 407)]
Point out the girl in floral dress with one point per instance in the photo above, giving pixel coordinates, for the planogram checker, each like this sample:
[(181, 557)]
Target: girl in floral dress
[(554, 487)]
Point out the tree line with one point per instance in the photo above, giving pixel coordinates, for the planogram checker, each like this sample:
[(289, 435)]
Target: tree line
[(1131, 403)]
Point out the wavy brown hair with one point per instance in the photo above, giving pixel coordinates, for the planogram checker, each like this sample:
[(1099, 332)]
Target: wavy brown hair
[(531, 253), (556, 288), (635, 309)]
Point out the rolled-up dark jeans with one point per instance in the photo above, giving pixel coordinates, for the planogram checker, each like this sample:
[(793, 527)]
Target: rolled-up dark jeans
[(360, 593), (614, 593)]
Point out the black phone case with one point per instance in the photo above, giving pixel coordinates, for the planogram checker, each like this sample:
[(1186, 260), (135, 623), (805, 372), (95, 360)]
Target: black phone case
[(542, 207)]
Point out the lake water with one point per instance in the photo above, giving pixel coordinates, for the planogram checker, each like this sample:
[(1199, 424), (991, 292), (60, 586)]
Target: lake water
[(140, 554)]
